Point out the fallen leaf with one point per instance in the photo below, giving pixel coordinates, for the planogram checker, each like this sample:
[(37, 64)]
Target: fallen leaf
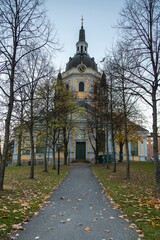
[(36, 213), (88, 229), (80, 224), (132, 225), (63, 221), (17, 227), (123, 216), (62, 198), (141, 235), (3, 226), (68, 220)]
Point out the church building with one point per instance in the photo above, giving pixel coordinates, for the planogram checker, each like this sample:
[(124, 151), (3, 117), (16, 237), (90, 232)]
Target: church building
[(79, 77)]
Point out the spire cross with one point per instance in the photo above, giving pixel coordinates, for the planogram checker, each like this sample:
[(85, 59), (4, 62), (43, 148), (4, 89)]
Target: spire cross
[(82, 21)]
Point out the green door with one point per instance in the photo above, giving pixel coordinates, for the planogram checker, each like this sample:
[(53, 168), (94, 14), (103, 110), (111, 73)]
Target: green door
[(80, 150)]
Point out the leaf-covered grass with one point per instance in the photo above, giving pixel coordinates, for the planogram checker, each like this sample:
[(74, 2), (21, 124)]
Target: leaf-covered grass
[(23, 196), (136, 196)]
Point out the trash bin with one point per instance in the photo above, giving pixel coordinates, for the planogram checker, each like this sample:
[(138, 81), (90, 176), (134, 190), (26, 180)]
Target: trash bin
[(103, 158), (29, 163)]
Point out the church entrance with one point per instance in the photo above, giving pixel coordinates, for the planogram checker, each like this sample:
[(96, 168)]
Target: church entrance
[(80, 151)]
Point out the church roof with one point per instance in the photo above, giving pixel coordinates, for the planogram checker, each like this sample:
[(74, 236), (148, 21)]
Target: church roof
[(81, 58), (81, 55)]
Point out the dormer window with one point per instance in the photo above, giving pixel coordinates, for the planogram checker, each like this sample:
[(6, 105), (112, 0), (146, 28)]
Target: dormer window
[(81, 87)]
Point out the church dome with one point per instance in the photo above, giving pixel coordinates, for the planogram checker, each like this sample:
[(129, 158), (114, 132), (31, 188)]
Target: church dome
[(81, 55), (81, 58)]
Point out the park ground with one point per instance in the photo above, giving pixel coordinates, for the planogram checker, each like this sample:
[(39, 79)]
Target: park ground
[(136, 197)]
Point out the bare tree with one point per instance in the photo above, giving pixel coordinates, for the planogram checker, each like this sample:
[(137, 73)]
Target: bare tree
[(93, 129), (65, 107), (96, 117), (18, 116), (35, 70), (140, 25), (45, 98), (121, 98), (23, 29)]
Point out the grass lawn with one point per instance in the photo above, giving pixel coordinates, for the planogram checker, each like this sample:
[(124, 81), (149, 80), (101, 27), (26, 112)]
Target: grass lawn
[(22, 196), (136, 196)]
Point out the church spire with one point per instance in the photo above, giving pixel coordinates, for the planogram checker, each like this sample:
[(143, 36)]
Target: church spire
[(82, 22), (82, 45)]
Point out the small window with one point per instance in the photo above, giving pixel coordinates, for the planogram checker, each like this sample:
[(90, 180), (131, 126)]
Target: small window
[(134, 148), (67, 87), (95, 89), (81, 87), (81, 48), (39, 149)]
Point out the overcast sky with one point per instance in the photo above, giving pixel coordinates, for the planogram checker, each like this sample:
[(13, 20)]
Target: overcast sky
[(99, 18)]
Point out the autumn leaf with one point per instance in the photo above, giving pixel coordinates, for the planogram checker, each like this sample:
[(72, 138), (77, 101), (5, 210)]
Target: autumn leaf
[(80, 224), (3, 226), (88, 229), (132, 225), (17, 227)]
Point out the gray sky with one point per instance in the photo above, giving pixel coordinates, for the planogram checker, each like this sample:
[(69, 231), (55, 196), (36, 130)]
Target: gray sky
[(99, 18)]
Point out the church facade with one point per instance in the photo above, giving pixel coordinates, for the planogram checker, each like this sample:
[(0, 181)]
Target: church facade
[(79, 77)]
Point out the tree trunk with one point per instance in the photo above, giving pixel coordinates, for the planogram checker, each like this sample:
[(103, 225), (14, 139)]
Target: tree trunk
[(54, 158), (125, 130), (45, 149), (107, 148), (5, 150), (65, 154), (155, 143), (127, 154), (112, 130), (7, 124), (65, 146), (19, 149), (113, 153), (32, 154), (121, 152)]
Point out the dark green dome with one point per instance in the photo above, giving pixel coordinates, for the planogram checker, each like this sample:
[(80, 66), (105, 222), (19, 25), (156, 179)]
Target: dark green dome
[(81, 55), (81, 58)]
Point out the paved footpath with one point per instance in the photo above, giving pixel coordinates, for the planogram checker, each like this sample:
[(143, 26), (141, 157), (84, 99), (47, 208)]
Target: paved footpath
[(78, 210)]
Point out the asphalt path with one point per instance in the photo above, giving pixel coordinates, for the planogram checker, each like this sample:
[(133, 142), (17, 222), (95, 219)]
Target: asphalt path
[(78, 210)]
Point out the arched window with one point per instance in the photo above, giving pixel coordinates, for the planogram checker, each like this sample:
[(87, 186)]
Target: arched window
[(81, 87)]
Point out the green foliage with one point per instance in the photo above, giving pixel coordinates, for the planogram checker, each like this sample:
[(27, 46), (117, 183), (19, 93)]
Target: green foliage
[(64, 100), (136, 196)]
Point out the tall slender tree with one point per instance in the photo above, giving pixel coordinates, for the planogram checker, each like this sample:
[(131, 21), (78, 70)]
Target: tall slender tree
[(23, 29), (140, 25)]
